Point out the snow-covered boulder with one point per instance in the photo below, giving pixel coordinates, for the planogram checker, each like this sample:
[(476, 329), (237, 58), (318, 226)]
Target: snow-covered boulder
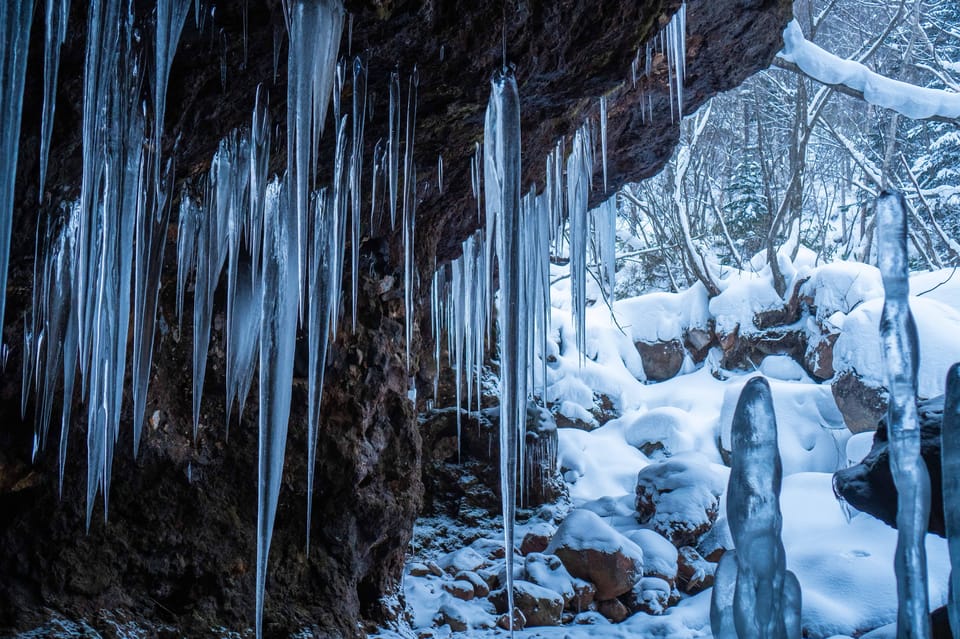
[(592, 550), (680, 497), (659, 555), (650, 595), (462, 559), (841, 286), (660, 432), (695, 573), (548, 571), (537, 538), (858, 347), (540, 606)]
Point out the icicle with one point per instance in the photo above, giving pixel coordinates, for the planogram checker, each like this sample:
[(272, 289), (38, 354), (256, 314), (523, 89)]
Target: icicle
[(58, 13), (356, 171), (278, 329), (171, 15), (898, 336), (605, 239), (440, 174), (150, 238), (603, 138), (765, 596), (15, 20), (322, 251), (187, 223), (315, 28), (338, 224), (376, 186), (950, 464), (259, 166), (409, 211), (579, 172), (502, 186), (393, 145)]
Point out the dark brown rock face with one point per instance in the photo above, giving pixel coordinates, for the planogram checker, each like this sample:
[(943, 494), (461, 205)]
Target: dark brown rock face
[(178, 547)]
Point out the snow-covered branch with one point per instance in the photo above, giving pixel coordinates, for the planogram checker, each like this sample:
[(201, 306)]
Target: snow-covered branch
[(853, 78)]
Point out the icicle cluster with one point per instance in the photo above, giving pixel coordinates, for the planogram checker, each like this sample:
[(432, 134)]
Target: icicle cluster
[(579, 178), (899, 347), (671, 43), (754, 595)]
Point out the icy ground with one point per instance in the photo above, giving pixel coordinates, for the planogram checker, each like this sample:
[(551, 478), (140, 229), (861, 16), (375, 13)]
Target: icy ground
[(842, 558)]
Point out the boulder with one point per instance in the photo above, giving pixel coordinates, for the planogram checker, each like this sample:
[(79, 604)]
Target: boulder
[(519, 621), (660, 432), (649, 595), (591, 550), (868, 486), (537, 538), (461, 589), (861, 404), (462, 559), (680, 497), (818, 359), (548, 571), (659, 555), (613, 610), (540, 606), (661, 360), (462, 617), (480, 587), (694, 572)]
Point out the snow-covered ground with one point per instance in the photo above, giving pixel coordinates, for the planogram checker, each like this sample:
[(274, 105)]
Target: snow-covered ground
[(843, 559)]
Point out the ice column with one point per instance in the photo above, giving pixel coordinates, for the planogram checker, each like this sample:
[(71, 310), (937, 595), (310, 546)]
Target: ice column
[(898, 337), (502, 187), (766, 597), (950, 458)]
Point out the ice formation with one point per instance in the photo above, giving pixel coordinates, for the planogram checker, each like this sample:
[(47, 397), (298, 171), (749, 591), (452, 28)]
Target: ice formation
[(280, 244), (502, 182), (950, 458), (55, 31), (898, 338), (765, 596), (15, 19)]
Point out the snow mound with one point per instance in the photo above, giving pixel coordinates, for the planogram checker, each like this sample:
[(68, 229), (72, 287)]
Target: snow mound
[(810, 428), (938, 325), (660, 432), (841, 287)]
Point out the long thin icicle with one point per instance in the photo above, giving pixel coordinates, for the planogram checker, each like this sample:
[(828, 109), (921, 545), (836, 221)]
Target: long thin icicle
[(15, 20), (409, 211), (278, 329), (502, 186), (58, 13), (315, 27), (579, 173), (898, 337), (171, 16), (322, 250)]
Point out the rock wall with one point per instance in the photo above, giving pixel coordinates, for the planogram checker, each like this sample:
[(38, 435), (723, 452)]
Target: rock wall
[(178, 547)]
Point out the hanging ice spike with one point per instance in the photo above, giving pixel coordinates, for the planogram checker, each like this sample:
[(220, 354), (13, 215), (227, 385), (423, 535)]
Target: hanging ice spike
[(898, 339), (15, 20), (765, 596), (502, 196)]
